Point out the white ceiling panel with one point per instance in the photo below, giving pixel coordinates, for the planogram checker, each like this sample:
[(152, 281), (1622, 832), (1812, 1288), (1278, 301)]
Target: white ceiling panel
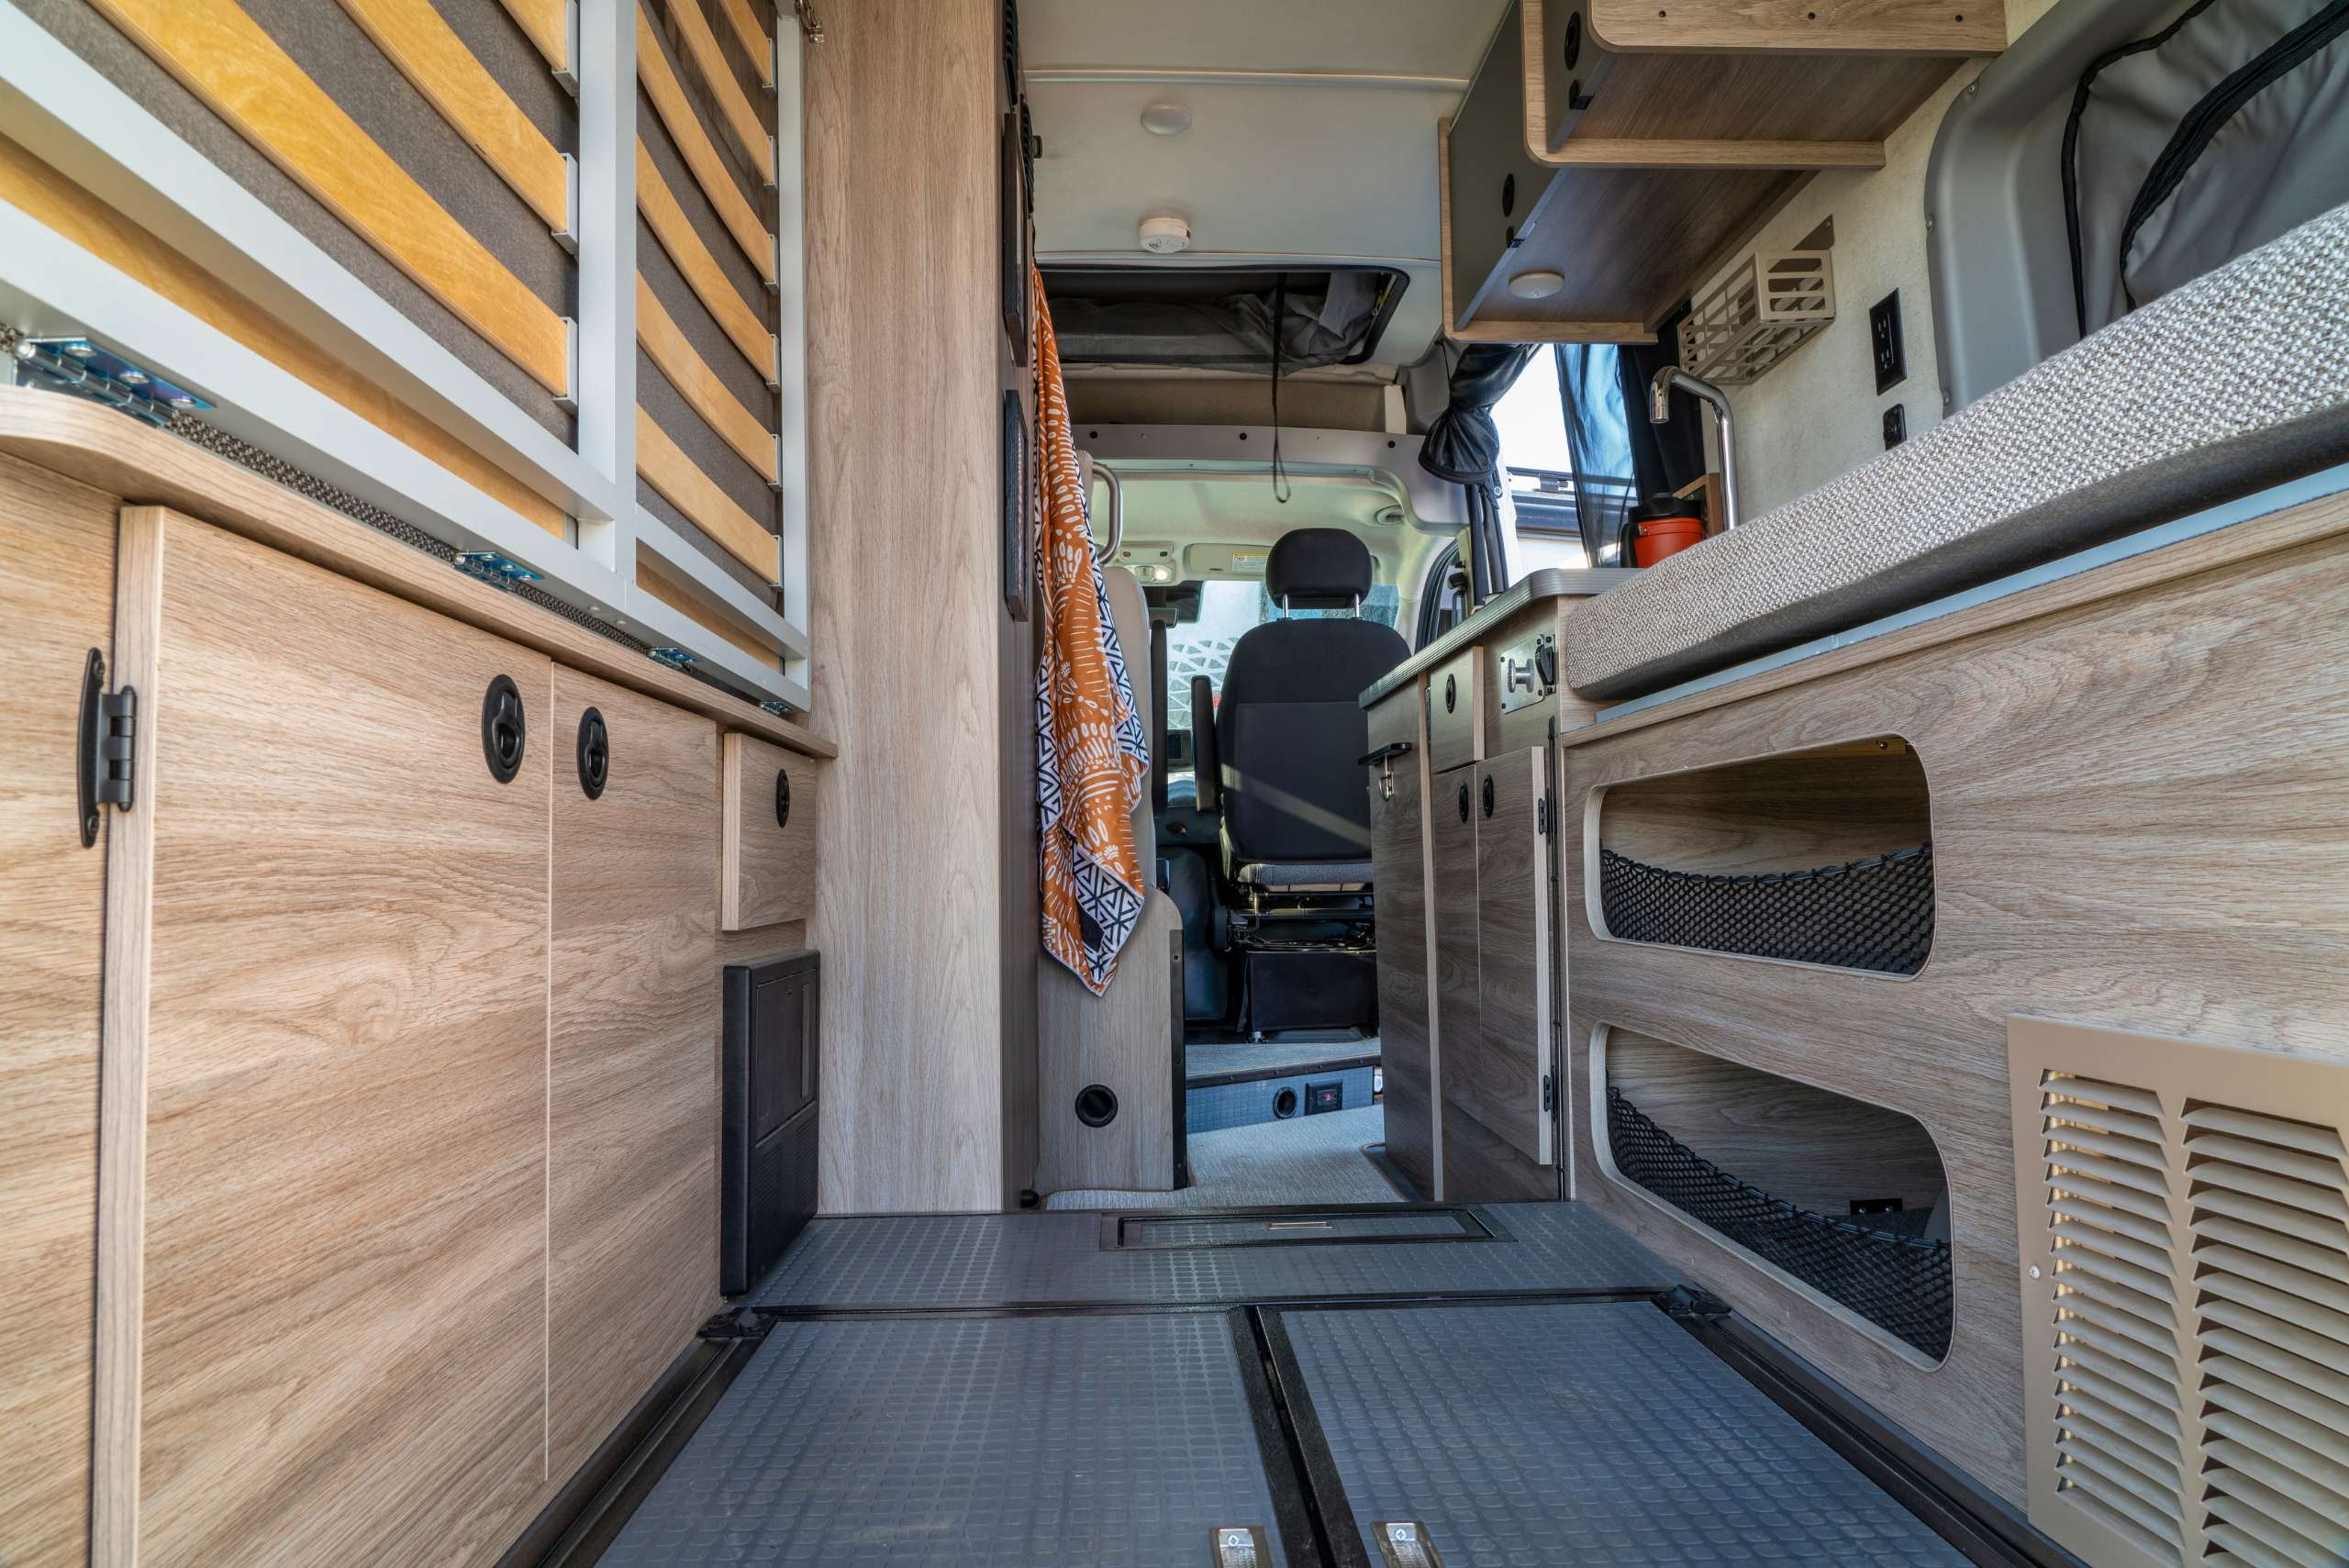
[(1436, 38)]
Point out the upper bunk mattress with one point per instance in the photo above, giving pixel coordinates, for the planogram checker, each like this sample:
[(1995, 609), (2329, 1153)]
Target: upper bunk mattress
[(2230, 385)]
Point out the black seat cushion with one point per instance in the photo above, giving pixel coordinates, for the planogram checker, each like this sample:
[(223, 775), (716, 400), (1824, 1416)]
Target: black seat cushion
[(1290, 727)]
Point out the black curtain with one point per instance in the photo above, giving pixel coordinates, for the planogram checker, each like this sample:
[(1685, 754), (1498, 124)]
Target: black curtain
[(1663, 457), (1463, 446)]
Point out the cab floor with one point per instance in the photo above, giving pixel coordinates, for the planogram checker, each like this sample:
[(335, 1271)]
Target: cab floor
[(1038, 1391)]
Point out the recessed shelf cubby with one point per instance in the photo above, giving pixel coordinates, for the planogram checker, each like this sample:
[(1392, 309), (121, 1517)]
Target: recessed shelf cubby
[(1817, 857), (1846, 1199)]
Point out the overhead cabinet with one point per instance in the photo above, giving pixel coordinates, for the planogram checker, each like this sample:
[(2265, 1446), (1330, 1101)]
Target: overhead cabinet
[(1608, 156)]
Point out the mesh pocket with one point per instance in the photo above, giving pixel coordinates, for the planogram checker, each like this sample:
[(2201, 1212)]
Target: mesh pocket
[(1900, 1284), (1871, 913)]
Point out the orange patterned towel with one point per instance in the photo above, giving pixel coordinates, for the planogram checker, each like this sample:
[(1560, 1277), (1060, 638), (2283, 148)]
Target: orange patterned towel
[(1092, 753)]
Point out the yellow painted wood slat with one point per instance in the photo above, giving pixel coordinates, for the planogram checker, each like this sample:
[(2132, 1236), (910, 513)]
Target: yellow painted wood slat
[(754, 41), (547, 24), (734, 108), (222, 56), (691, 375), (683, 242), (42, 193), (667, 469), (699, 152), (679, 596), (431, 55)]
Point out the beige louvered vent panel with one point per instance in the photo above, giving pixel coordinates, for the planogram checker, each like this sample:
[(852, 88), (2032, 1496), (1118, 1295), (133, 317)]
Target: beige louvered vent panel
[(2119, 1436), (2271, 1247), (2184, 1251)]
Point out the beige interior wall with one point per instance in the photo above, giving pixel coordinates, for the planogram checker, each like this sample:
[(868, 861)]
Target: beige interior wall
[(902, 560), (1816, 414)]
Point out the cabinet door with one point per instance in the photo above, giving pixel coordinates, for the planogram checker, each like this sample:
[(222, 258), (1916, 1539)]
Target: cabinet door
[(1498, 1136), (632, 1038), (57, 603), (345, 1146), (767, 850), (1459, 1001), (1399, 878)]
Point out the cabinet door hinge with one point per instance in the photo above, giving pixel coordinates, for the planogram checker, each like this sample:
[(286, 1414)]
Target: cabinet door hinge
[(109, 729), (1541, 815), (1549, 1093)]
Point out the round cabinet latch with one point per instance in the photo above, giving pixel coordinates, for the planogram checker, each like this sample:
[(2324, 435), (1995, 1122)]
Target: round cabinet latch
[(1096, 1105), (1464, 802), (782, 802), (1284, 1104), (1509, 195), (1545, 662), (1488, 795), (594, 754), (502, 734), (1451, 692), (1573, 41)]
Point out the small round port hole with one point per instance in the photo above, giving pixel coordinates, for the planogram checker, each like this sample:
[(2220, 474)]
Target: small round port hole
[(1284, 1104), (1096, 1105)]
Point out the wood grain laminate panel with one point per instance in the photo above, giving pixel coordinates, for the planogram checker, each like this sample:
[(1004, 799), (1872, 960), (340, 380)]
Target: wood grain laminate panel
[(910, 900), (546, 23), (1774, 815), (1806, 26), (734, 110), (222, 56), (1123, 1039), (632, 1078), (437, 62), (34, 188), (664, 465), (744, 22), (1452, 902), (766, 871), (101, 449), (1456, 711), (1491, 329), (344, 1353), (1499, 1084), (57, 600), (668, 94), (700, 386), (700, 268), (2141, 820), (1399, 845), (1810, 1146)]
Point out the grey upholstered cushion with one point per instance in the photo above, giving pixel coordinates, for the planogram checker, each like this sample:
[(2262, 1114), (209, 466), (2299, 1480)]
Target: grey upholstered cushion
[(1305, 873), (2233, 383)]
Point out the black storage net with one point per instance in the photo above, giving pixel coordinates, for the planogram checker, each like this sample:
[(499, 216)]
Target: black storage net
[(1900, 1284), (1870, 914)]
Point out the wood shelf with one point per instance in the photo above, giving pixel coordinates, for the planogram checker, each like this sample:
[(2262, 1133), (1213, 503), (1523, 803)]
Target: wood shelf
[(1632, 154)]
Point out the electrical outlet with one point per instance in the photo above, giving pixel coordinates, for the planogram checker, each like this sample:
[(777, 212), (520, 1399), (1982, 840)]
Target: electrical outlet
[(1884, 340), (1896, 426)]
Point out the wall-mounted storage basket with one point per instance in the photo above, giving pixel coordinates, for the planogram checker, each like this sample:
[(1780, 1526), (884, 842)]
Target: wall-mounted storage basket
[(1875, 912), (1758, 312), (1901, 1284)]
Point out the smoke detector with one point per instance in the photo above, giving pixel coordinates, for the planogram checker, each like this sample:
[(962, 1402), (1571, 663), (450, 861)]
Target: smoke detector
[(1166, 119), (1164, 236)]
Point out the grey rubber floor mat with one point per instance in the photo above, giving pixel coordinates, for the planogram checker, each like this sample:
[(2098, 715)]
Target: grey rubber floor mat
[(1597, 1435), (1000, 1260), (1035, 1442)]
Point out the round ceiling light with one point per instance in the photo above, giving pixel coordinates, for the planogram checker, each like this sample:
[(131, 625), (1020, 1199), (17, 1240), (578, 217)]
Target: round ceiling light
[(1536, 285), (1166, 119), (1164, 236)]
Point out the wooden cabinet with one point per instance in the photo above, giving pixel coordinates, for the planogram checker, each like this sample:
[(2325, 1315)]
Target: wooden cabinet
[(1399, 845), (342, 1326), (1489, 903), (57, 603), (767, 872), (632, 1031)]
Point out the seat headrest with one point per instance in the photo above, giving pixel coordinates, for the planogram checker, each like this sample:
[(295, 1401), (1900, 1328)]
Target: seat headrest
[(1318, 569)]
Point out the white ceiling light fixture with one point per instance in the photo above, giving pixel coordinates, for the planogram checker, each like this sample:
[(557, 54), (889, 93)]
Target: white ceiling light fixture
[(1536, 285), (1164, 234), (1166, 119)]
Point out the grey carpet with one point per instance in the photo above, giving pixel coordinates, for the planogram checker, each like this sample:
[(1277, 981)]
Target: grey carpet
[(1214, 1061), (1306, 1159)]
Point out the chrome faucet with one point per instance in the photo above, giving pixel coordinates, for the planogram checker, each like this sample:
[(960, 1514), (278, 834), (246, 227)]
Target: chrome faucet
[(1660, 413)]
